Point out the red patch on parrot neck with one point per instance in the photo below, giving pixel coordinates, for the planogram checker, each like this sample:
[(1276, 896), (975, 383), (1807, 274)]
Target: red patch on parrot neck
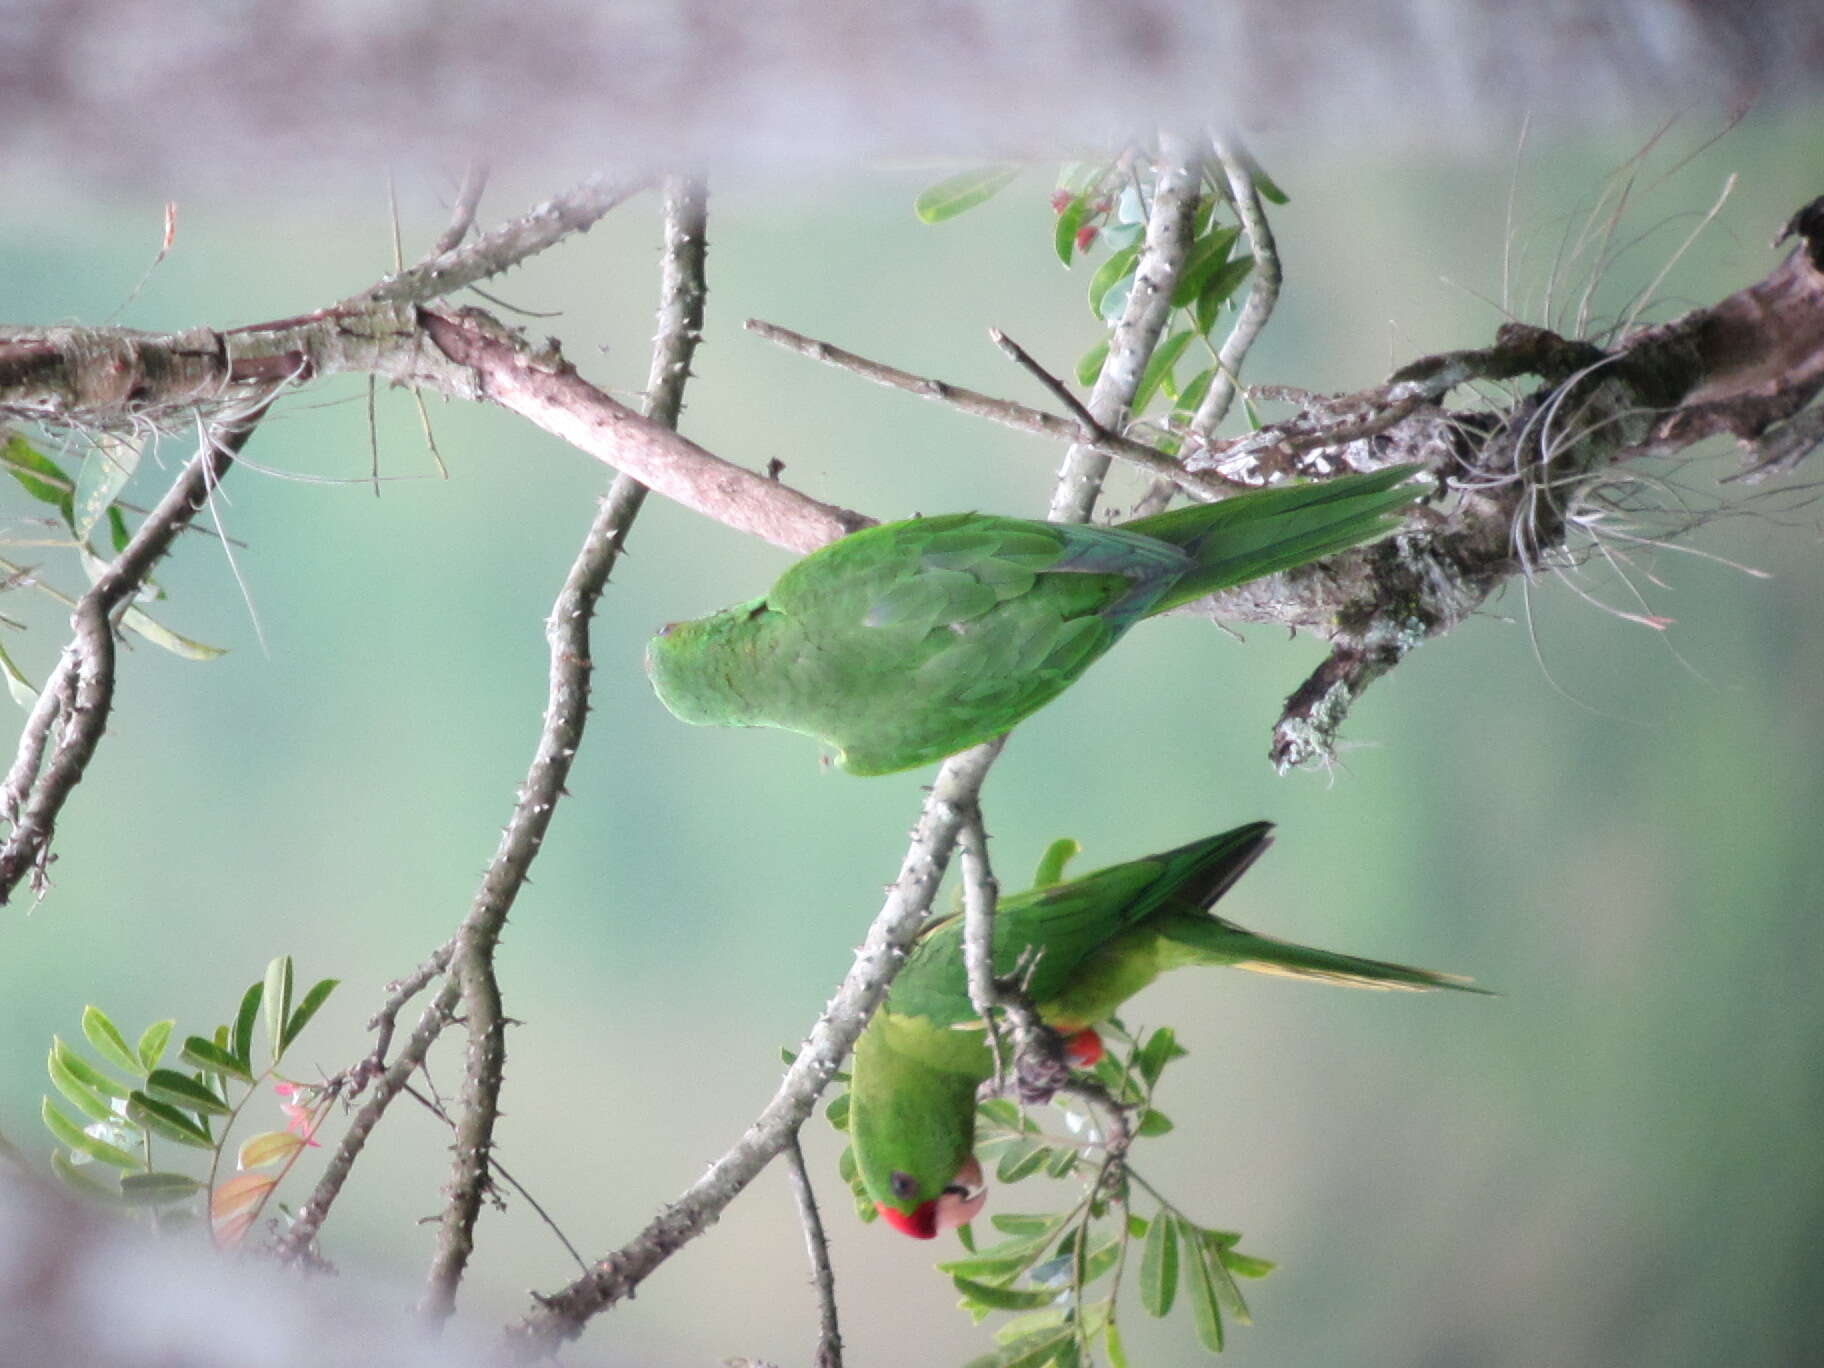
[(1083, 1048)]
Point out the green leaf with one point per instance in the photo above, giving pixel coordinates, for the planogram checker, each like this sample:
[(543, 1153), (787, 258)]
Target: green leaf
[(961, 193), (1030, 1351), (1159, 367), (242, 1039), (1246, 1265), (307, 1008), (278, 1002), (1004, 1260), (117, 532), (207, 1055), (1200, 1285), (157, 1189), (1006, 1298), (86, 1099), (1111, 1344), (846, 1167), (1117, 268), (181, 1090), (105, 1036), (105, 472), (74, 1137), (1268, 190), (1089, 368), (1160, 1049), (1223, 284), (1101, 1259), (162, 636), (1022, 1160), (1190, 394), (1057, 855), (1205, 258), (1227, 1293), (837, 1113), (38, 474), (1024, 1324), (1153, 1123), (1064, 238), (1013, 1223), (1063, 1162), (151, 1047), (84, 1071), (81, 1182), (168, 1121), (24, 694), (1159, 1266), (1003, 1113)]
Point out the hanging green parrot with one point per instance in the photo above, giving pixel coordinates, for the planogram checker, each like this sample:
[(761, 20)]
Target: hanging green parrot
[(903, 643), (1087, 947)]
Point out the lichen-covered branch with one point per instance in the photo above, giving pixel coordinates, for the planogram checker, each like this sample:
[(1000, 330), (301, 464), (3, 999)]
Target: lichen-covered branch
[(1526, 479)]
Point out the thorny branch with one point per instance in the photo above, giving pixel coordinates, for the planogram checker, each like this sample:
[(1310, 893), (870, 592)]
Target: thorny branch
[(562, 1315), (954, 803), (682, 291), (74, 703), (829, 1333)]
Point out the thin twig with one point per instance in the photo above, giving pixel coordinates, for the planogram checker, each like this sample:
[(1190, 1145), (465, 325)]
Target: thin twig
[(462, 213), (80, 691), (562, 1315), (1263, 294), (434, 1105), (1002, 411), (981, 896), (829, 1337), (573, 211), (1149, 306), (567, 631), (1088, 429)]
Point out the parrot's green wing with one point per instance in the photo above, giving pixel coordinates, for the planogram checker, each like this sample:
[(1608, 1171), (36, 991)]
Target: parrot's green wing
[(923, 637), (1048, 936)]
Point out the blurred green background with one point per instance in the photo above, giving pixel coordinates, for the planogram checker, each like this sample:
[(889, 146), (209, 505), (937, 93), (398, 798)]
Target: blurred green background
[(1615, 1161)]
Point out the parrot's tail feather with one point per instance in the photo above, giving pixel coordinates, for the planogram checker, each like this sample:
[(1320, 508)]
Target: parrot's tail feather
[(1270, 530), (1210, 940)]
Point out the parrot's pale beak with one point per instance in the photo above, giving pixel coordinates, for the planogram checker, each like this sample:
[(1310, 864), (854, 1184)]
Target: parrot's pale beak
[(958, 1204)]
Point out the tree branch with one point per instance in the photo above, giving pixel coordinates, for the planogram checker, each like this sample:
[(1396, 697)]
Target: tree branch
[(1149, 306), (561, 1316), (682, 293), (1002, 411), (76, 699), (829, 1338)]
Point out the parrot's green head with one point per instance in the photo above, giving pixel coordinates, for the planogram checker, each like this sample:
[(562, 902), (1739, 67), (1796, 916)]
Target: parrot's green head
[(912, 1122), (702, 668)]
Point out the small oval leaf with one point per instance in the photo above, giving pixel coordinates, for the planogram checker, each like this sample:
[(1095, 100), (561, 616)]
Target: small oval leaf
[(157, 1189), (268, 1147), (105, 1036), (961, 193), (76, 1139)]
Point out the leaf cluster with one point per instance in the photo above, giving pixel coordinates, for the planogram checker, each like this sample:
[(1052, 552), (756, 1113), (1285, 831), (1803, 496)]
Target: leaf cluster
[(86, 506), (132, 1098)]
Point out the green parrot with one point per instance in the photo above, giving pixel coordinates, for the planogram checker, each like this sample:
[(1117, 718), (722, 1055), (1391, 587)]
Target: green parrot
[(1088, 946), (903, 643)]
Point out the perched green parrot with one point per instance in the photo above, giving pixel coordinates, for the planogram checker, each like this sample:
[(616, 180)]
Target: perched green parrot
[(903, 643), (1089, 945)]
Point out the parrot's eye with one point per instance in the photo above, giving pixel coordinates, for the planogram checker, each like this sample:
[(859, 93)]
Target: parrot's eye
[(758, 609), (904, 1185)]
